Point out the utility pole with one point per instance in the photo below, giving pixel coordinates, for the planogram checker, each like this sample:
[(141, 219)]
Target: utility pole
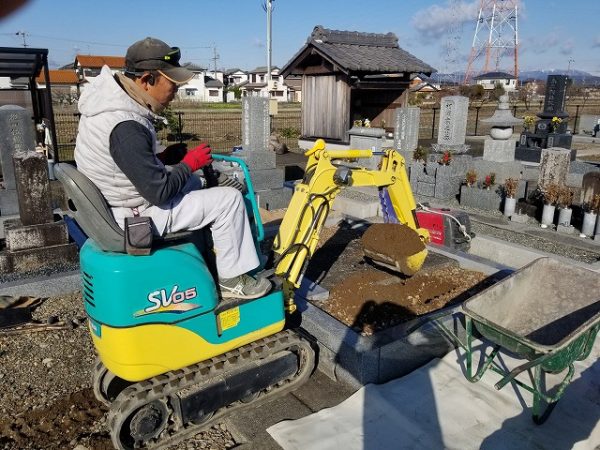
[(22, 33), (268, 7), (215, 58)]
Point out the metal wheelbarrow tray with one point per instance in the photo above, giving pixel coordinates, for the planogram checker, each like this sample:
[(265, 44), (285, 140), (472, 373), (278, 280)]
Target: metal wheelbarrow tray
[(547, 312)]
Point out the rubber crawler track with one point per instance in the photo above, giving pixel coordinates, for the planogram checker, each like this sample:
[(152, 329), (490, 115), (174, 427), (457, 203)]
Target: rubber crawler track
[(164, 386)]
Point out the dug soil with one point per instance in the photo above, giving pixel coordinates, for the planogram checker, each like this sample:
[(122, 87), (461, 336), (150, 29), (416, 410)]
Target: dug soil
[(370, 299)]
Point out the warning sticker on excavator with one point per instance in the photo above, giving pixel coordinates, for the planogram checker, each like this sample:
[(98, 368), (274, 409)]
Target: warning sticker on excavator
[(230, 318)]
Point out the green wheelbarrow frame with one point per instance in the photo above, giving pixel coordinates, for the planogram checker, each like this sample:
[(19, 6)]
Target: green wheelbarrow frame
[(537, 317)]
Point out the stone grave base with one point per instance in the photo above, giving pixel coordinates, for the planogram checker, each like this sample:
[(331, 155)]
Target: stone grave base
[(474, 197), (38, 258), (534, 154), (354, 359)]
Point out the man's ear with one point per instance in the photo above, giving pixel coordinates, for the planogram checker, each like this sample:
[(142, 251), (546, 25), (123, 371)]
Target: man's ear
[(147, 79)]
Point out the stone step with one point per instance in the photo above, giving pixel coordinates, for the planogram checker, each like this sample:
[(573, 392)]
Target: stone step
[(19, 237), (38, 258)]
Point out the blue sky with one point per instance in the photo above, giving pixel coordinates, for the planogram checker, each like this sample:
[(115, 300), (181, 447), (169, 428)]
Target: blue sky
[(551, 32)]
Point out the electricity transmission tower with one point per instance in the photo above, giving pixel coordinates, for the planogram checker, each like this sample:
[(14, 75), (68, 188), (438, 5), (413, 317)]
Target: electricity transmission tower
[(496, 36), (453, 35)]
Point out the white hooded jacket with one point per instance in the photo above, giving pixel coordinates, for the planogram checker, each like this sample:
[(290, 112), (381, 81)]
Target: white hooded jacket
[(103, 105)]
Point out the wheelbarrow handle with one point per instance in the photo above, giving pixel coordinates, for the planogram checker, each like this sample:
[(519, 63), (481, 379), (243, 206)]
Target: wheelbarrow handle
[(523, 367)]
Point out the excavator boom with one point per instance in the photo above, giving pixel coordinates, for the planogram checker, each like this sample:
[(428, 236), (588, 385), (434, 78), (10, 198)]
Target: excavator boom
[(327, 172)]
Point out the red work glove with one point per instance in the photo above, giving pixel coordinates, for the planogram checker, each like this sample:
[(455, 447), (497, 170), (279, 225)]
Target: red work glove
[(198, 157)]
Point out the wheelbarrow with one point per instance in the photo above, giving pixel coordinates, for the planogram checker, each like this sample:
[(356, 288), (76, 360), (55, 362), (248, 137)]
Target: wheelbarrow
[(547, 313)]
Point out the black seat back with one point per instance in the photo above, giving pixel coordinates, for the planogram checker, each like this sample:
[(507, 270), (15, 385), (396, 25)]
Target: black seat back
[(89, 208)]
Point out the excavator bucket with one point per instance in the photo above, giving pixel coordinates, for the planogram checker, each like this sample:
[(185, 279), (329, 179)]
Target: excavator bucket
[(395, 246)]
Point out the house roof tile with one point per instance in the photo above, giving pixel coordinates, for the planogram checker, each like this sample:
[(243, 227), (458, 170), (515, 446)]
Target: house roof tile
[(212, 83), (353, 51), (494, 76), (59, 77), (96, 62)]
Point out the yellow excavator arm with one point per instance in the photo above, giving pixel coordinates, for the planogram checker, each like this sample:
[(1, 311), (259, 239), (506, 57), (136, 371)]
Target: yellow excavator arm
[(311, 202)]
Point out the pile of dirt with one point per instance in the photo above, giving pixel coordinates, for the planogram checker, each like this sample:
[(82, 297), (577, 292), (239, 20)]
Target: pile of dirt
[(70, 420), (46, 397), (372, 300), (369, 299)]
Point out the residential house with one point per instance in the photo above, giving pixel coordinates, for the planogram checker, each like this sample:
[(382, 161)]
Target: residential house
[(257, 84), (294, 85), (233, 81), (347, 76), (214, 89), (195, 89), (423, 83), (64, 85), (235, 77), (88, 67), (489, 80)]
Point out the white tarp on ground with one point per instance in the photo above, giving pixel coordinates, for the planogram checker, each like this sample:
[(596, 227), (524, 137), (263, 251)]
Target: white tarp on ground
[(435, 407)]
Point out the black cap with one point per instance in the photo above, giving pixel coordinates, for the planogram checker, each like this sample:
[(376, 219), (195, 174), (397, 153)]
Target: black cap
[(154, 54)]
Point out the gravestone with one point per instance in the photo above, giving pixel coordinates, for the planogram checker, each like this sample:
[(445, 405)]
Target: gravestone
[(554, 166), (363, 138), (261, 159), (16, 135), (545, 134), (406, 128), (590, 187), (256, 123), (34, 241), (452, 130)]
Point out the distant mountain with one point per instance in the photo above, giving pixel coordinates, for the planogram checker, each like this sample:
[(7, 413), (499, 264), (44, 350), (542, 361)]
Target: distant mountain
[(578, 76)]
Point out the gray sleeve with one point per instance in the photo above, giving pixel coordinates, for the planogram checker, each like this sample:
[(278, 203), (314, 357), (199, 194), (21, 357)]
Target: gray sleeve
[(131, 148)]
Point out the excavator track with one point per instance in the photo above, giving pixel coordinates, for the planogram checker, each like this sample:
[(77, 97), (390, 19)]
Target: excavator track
[(174, 406)]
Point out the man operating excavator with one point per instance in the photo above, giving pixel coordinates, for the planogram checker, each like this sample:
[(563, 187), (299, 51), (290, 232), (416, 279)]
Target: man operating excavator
[(117, 149)]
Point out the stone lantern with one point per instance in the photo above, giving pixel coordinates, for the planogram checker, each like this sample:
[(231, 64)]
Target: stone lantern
[(501, 148)]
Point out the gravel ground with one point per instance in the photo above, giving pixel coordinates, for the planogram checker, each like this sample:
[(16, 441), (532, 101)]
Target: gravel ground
[(538, 243), (46, 400)]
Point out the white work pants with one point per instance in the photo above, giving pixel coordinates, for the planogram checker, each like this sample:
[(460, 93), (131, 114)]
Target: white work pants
[(223, 209)]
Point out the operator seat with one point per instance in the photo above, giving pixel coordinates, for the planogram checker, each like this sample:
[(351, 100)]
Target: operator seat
[(89, 208), (92, 213)]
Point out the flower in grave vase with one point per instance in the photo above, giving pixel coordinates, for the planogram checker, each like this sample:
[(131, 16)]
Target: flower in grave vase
[(489, 181), (446, 158), (554, 124), (471, 177), (528, 122)]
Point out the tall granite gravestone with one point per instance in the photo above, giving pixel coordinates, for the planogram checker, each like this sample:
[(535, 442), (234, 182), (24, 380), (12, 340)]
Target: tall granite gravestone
[(256, 123), (406, 128), (554, 166), (547, 135), (267, 179), (363, 138), (17, 134), (452, 130)]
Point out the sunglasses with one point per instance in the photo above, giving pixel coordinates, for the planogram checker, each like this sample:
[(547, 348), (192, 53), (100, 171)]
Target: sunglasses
[(172, 57)]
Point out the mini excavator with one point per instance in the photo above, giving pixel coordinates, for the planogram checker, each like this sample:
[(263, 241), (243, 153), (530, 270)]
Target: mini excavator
[(175, 357)]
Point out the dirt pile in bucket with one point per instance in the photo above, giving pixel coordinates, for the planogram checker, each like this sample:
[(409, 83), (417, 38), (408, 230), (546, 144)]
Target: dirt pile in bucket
[(396, 241)]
